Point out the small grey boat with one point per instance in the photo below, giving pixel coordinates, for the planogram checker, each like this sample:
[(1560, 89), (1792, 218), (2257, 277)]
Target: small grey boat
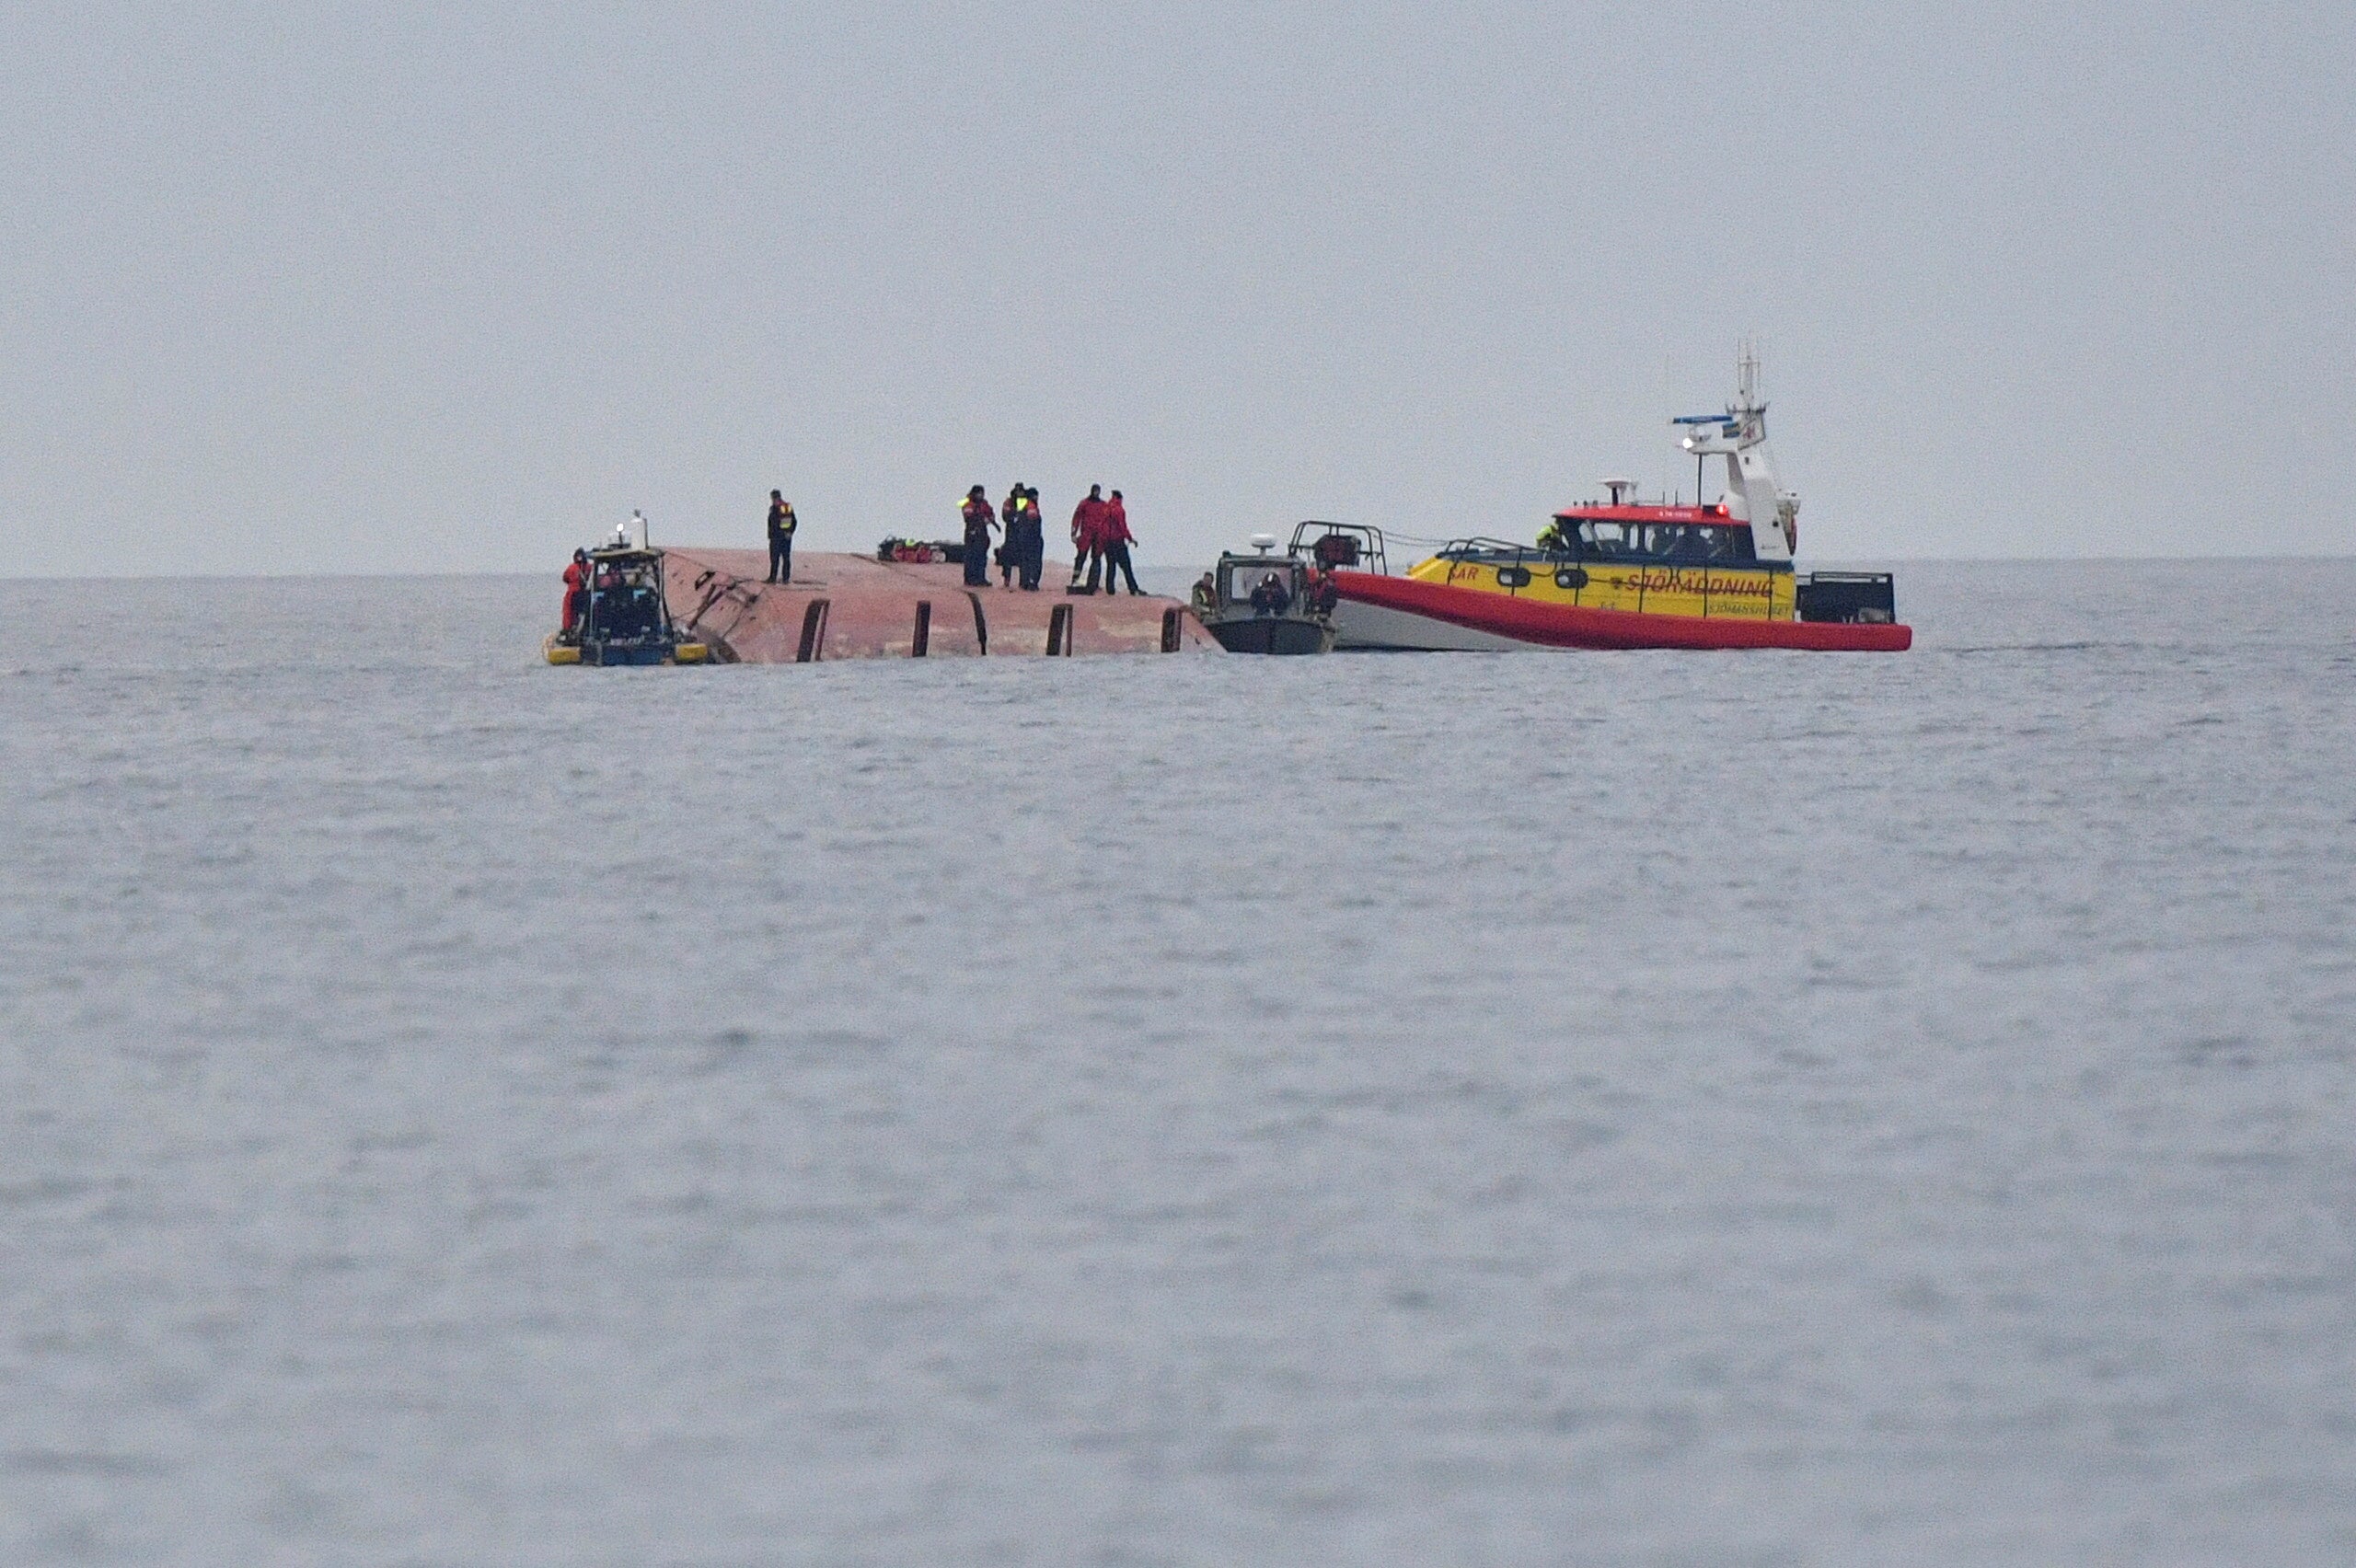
[(1263, 603)]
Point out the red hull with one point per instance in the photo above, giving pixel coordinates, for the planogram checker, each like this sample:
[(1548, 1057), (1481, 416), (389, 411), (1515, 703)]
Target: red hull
[(1543, 624), (846, 606)]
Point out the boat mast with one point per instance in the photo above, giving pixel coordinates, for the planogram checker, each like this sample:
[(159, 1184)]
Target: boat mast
[(1740, 437)]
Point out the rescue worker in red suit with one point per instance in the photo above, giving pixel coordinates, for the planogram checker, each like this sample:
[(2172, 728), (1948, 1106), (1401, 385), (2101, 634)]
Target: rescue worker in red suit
[(576, 591), (1114, 531), (1087, 538)]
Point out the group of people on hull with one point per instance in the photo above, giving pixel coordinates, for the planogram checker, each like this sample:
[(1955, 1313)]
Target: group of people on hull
[(1099, 536)]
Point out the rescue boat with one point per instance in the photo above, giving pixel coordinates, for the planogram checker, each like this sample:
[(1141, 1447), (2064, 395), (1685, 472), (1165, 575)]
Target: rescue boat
[(622, 616), (1621, 574)]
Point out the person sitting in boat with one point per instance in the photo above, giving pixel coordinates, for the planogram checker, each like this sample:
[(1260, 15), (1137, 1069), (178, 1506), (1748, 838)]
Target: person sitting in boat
[(1271, 597), (1555, 539), (622, 616)]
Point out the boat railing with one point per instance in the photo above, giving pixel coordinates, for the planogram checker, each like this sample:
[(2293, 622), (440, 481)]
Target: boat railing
[(1356, 546)]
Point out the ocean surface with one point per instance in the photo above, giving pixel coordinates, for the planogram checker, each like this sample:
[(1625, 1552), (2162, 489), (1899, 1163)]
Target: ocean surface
[(1575, 1109)]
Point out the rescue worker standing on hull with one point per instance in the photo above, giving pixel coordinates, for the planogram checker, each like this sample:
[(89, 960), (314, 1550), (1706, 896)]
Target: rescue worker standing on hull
[(1026, 539), (781, 525), (1112, 529), (1010, 550), (978, 523), (1087, 538)]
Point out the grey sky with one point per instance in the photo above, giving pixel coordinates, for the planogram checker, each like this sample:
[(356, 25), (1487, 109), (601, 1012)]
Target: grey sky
[(308, 288)]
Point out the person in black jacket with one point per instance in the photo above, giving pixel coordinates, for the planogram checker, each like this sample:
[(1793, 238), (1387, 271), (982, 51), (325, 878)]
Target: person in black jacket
[(979, 522), (1271, 597), (1027, 540), (781, 525), (1010, 555)]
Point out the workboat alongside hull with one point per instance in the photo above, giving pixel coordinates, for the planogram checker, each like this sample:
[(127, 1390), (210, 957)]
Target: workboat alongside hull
[(616, 612), (1403, 613), (1263, 602), (1272, 634)]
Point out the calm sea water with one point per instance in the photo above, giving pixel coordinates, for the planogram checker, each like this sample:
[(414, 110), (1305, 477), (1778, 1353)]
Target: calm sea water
[(1578, 1108)]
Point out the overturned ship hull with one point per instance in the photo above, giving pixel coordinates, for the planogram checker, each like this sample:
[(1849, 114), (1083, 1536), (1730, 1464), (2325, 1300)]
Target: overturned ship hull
[(848, 607)]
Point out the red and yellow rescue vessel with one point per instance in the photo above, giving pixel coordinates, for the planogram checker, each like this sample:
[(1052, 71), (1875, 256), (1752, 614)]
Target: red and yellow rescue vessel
[(1620, 575)]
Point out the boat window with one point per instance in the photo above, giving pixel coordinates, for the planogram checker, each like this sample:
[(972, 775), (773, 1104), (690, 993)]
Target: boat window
[(1610, 540), (1242, 578), (1664, 541), (1677, 541), (1703, 542)]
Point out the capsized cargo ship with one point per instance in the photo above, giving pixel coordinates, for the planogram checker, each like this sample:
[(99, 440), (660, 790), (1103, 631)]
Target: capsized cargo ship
[(852, 606), (1621, 574)]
